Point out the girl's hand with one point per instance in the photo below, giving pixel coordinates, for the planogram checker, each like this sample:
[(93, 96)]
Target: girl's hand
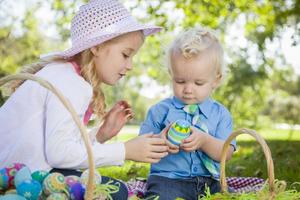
[(146, 148), (172, 148), (114, 120), (194, 141)]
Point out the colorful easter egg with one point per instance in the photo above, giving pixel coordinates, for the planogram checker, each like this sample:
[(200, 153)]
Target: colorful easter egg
[(22, 175), (12, 197), (39, 175), (30, 189), (57, 196), (71, 180), (4, 178), (11, 172), (77, 191), (85, 177), (55, 183), (178, 131)]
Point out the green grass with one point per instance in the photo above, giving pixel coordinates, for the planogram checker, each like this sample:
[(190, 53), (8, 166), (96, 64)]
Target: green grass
[(249, 159), (267, 134), (274, 134), (127, 171)]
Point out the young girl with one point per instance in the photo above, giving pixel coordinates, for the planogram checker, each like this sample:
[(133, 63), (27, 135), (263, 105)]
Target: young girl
[(38, 131), (195, 59)]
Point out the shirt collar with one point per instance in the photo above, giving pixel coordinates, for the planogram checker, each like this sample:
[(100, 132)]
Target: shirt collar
[(204, 107)]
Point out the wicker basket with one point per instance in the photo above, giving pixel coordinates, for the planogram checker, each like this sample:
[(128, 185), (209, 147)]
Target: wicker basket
[(70, 108), (266, 151)]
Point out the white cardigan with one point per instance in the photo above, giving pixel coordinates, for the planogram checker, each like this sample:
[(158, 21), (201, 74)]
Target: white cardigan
[(38, 131)]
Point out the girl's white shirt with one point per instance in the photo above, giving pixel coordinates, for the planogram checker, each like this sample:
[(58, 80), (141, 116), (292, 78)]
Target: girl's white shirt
[(38, 131)]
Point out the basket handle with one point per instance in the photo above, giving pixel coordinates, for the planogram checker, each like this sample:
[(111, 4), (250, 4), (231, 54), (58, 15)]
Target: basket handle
[(70, 108), (266, 151)]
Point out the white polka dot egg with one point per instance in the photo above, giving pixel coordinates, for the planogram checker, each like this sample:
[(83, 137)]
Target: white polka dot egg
[(55, 183), (85, 177)]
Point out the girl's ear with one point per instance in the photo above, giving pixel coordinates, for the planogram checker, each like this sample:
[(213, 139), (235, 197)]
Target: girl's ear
[(95, 50)]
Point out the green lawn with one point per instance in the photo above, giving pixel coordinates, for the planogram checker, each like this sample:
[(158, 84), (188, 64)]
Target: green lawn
[(268, 134), (248, 160)]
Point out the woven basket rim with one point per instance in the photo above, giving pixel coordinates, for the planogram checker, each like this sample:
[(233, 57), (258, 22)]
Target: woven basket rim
[(267, 153)]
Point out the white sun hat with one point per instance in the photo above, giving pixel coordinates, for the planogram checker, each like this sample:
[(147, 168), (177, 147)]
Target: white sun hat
[(97, 22)]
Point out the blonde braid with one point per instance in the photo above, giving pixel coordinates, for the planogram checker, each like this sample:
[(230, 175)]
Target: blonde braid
[(88, 71)]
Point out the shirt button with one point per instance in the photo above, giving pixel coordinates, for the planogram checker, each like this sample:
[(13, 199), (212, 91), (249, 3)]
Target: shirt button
[(195, 169)]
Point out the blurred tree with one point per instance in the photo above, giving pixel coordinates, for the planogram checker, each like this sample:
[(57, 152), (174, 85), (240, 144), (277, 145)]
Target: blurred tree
[(21, 42), (246, 91), (17, 49), (284, 106)]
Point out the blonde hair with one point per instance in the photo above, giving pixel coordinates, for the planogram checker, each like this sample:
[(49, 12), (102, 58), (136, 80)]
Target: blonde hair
[(195, 41), (88, 71)]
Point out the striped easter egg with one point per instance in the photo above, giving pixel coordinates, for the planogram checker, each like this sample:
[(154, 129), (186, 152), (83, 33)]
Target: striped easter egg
[(178, 131)]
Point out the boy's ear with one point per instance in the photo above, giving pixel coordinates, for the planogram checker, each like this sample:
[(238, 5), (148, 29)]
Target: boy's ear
[(217, 81)]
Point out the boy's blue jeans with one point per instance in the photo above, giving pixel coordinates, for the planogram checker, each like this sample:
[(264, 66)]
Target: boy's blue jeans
[(188, 189)]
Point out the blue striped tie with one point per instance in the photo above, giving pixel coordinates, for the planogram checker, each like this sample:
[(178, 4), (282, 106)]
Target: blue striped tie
[(196, 121)]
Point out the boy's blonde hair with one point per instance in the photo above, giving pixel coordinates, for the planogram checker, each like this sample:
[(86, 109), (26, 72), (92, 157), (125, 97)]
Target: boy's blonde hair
[(195, 41)]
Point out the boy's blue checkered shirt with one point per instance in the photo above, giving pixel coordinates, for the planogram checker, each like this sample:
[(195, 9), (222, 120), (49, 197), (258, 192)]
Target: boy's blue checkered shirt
[(186, 164)]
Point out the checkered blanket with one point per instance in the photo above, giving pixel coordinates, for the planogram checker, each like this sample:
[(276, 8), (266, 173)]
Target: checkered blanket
[(236, 185), (136, 187), (244, 184)]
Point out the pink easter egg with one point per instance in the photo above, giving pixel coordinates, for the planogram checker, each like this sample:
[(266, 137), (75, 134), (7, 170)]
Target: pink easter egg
[(11, 171), (71, 180)]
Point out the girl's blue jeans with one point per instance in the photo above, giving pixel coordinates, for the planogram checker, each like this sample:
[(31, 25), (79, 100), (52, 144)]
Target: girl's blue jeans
[(188, 189)]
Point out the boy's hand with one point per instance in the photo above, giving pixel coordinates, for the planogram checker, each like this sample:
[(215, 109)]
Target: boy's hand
[(194, 141), (114, 120)]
